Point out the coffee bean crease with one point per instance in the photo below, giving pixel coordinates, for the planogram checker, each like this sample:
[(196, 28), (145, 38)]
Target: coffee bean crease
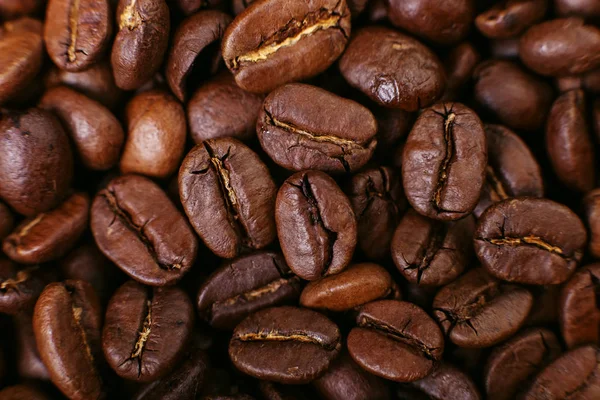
[(277, 336)]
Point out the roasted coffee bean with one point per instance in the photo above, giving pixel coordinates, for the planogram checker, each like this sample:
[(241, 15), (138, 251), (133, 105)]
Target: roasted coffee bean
[(138, 228), (36, 165), (285, 344), (518, 99), (512, 169), (447, 382), (228, 196), (432, 253), (245, 285), (440, 22), (273, 43), (395, 340), (141, 41), (583, 8), (468, 309), (569, 143), (96, 133), (305, 127), (311, 210), (512, 364), (444, 160), (156, 132), (561, 47), (20, 286), (77, 33), (7, 221), (29, 362), (195, 49), (459, 64), (146, 330), (531, 241), (22, 392), (510, 18), (67, 322), (591, 204), (393, 69)]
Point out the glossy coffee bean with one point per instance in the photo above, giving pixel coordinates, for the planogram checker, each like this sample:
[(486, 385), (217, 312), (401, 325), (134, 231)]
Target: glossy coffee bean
[(444, 160), (448, 382), (22, 392), (245, 285), (270, 44), (312, 210), (305, 127), (7, 221), (591, 204), (393, 69), (459, 64), (29, 362), (285, 344), (20, 286), (138, 228), (531, 241), (468, 309), (511, 18), (229, 196), (67, 322), (395, 340)]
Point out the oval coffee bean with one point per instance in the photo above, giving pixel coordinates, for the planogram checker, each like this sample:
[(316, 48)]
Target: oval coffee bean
[(138, 228), (393, 69), (228, 195), (20, 287), (313, 211), (468, 309), (305, 37), (285, 344), (66, 323), (511, 18), (444, 160), (531, 241), (448, 382), (7, 221), (245, 285), (78, 32), (395, 340), (305, 127), (146, 330), (591, 204)]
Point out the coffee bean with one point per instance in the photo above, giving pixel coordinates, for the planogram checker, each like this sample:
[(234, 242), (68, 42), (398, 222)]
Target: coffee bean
[(66, 323), (511, 18), (138, 228), (591, 204), (245, 285), (22, 392), (312, 210), (459, 66), (583, 8), (531, 241), (20, 286), (29, 362), (7, 221), (443, 165), (432, 253), (446, 382), (468, 309), (77, 33), (141, 41), (285, 344), (305, 127), (96, 133), (271, 44), (228, 196), (395, 340), (393, 69)]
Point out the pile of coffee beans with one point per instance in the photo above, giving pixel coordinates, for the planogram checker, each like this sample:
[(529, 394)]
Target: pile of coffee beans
[(299, 199)]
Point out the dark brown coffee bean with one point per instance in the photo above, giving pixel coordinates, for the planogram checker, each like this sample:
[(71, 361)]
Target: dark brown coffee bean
[(285, 344), (312, 210), (459, 65), (138, 228), (531, 241), (583, 8), (29, 362), (441, 22), (36, 164), (505, 48), (141, 41), (156, 133), (432, 253), (393, 69), (22, 392), (78, 32), (444, 160), (468, 309), (395, 340), (569, 143), (512, 169), (561, 47), (146, 330), (228, 196), (447, 382), (7, 221), (305, 127), (245, 285), (512, 364), (20, 286), (194, 49), (96, 133), (66, 323), (518, 99), (271, 44), (591, 204), (510, 18)]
